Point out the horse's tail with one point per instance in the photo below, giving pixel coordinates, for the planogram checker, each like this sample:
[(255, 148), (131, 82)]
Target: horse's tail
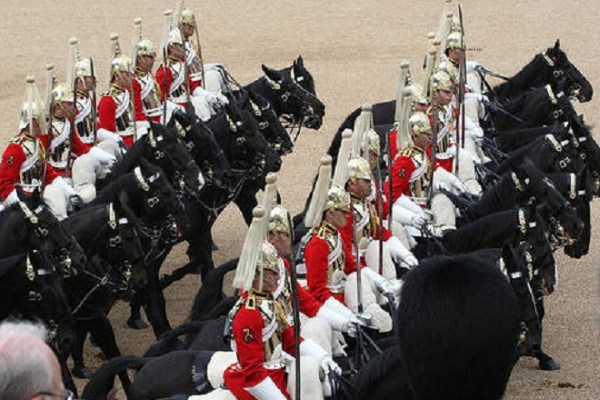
[(102, 380), (169, 342)]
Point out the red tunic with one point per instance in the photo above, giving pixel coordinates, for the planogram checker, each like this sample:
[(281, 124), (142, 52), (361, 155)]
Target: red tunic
[(137, 90), (308, 304), (107, 118), (402, 169), (316, 258), (393, 140), (247, 329), (164, 78), (13, 158), (78, 148)]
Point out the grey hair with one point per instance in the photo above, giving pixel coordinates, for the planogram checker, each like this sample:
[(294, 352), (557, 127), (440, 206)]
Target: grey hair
[(25, 370)]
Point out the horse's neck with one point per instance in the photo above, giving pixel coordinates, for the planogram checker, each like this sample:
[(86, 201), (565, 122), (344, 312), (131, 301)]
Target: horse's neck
[(261, 88), (85, 225), (534, 74)]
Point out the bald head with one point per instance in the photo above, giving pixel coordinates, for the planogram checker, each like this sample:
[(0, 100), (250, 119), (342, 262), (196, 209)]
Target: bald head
[(27, 364)]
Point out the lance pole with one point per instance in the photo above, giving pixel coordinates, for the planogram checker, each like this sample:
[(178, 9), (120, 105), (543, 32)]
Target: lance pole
[(295, 308)]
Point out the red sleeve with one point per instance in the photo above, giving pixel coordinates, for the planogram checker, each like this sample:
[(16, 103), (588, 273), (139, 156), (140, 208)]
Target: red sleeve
[(12, 158), (346, 234), (315, 256), (307, 302), (402, 169), (287, 337), (247, 332), (137, 100), (164, 81), (79, 147), (106, 114), (194, 84)]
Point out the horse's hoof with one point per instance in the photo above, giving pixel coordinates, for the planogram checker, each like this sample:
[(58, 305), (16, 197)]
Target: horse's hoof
[(548, 364), (81, 372), (136, 323), (213, 246)]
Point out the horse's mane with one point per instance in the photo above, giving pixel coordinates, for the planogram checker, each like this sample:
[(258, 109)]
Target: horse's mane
[(372, 374), (522, 79), (489, 231)]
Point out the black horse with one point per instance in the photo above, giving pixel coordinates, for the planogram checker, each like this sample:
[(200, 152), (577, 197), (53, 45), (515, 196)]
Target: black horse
[(114, 247), (32, 287), (32, 226), (548, 67), (457, 333)]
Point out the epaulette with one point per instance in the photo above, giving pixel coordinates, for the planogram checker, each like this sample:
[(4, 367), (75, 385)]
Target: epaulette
[(21, 138), (114, 90), (140, 73), (325, 230), (251, 302)]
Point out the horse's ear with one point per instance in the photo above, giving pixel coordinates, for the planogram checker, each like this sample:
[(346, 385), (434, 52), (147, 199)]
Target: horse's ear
[(272, 74), (557, 46), (300, 61)]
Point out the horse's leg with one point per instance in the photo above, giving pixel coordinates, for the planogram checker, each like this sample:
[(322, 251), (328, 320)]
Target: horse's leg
[(155, 306), (66, 374), (103, 331), (79, 369), (135, 320), (165, 376), (545, 362), (246, 201)]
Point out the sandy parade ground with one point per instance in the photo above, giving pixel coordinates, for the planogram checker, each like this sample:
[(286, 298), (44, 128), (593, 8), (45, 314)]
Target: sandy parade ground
[(353, 50)]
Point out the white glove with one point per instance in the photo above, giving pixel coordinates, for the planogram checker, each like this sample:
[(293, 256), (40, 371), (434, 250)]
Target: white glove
[(472, 65), (336, 321), (64, 185), (338, 307), (406, 217), (102, 156), (407, 203), (443, 176), (104, 134), (378, 280), (141, 128), (400, 253), (12, 198), (476, 96), (266, 390), (310, 348), (439, 186)]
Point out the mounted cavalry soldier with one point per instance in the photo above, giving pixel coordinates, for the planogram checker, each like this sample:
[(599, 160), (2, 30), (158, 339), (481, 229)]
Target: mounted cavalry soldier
[(193, 59), (85, 83), (23, 160), (263, 337), (143, 55), (120, 110)]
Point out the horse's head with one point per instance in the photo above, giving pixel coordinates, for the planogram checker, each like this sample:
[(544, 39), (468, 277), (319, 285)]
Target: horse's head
[(50, 237), (302, 76), (577, 85), (269, 124), (248, 147), (47, 292), (294, 100), (160, 205), (124, 250), (172, 155), (559, 215)]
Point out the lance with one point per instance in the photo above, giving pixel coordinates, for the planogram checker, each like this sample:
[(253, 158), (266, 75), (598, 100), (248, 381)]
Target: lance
[(71, 131), (463, 64), (390, 181), (94, 111), (50, 100), (434, 131), (165, 84), (380, 220), (295, 308), (357, 257), (199, 52)]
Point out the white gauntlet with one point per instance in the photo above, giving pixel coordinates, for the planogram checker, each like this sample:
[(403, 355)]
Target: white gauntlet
[(400, 253)]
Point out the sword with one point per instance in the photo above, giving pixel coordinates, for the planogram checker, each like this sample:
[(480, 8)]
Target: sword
[(165, 85), (390, 180), (357, 259), (71, 131), (295, 308)]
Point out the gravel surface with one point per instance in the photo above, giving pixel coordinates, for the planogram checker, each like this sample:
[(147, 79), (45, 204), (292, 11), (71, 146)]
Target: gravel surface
[(353, 49)]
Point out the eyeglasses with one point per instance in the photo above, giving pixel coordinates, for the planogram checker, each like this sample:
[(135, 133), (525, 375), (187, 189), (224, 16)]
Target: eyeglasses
[(64, 395)]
